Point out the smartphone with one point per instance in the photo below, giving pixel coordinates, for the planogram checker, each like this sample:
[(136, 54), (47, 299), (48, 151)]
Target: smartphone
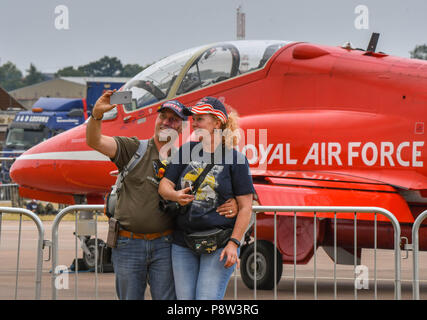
[(121, 97), (188, 184)]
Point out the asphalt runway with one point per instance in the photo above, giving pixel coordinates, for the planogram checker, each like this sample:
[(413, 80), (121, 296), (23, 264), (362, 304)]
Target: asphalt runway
[(305, 283)]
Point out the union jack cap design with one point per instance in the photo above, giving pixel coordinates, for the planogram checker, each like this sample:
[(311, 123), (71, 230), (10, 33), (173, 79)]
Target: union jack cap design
[(210, 105)]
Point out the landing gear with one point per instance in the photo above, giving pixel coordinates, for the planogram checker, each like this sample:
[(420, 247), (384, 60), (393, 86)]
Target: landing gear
[(89, 251), (264, 265), (85, 229), (89, 254)]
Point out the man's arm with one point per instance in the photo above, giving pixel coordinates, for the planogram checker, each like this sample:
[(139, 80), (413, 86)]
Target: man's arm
[(229, 208), (94, 139)]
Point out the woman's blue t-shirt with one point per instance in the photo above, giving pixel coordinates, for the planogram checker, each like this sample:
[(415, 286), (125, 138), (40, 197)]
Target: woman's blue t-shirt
[(228, 178)]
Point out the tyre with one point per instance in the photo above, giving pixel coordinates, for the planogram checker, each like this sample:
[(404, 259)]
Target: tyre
[(89, 260), (264, 265)]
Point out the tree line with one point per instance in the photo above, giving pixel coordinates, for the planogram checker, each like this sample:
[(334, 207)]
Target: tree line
[(12, 78), (420, 52)]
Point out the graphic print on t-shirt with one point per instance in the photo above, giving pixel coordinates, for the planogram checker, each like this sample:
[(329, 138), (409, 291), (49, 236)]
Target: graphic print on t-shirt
[(206, 197)]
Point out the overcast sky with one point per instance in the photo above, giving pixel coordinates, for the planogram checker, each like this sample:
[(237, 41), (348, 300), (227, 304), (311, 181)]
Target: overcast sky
[(142, 31)]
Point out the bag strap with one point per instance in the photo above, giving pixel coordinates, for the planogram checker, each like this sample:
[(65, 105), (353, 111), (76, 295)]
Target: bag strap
[(138, 155), (201, 177), (199, 180)]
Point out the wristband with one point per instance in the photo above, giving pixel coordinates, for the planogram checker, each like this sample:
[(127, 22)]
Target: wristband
[(96, 118), (235, 241)]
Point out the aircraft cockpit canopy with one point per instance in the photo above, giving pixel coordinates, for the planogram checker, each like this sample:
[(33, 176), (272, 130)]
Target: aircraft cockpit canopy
[(197, 68)]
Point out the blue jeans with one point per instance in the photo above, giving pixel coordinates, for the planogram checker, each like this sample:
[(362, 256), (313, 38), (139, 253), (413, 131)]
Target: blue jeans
[(137, 262), (199, 277)]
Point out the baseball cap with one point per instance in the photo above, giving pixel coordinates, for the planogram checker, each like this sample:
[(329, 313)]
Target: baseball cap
[(177, 107), (211, 105)]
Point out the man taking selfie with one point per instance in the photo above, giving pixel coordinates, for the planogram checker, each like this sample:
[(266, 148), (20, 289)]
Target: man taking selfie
[(142, 252)]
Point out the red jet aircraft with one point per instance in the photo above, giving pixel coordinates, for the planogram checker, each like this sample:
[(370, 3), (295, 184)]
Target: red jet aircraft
[(322, 126)]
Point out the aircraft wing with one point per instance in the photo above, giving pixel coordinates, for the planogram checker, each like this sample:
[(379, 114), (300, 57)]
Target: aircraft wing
[(322, 189)]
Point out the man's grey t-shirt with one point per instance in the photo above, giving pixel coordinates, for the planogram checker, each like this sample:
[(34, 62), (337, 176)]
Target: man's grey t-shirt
[(138, 206)]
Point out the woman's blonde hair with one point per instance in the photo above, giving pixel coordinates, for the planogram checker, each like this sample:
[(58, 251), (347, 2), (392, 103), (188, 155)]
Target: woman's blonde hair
[(231, 132)]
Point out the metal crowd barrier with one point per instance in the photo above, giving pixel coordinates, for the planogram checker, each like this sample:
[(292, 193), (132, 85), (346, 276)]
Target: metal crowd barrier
[(40, 246), (9, 192), (415, 248), (355, 210), (256, 210), (55, 225)]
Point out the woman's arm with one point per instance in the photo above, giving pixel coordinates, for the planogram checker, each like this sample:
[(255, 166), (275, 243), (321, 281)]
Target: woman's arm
[(168, 192), (242, 222)]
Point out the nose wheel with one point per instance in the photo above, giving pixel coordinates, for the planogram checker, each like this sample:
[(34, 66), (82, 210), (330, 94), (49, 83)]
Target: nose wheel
[(90, 253), (264, 263)]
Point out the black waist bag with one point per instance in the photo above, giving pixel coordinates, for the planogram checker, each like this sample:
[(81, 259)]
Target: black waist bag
[(208, 241)]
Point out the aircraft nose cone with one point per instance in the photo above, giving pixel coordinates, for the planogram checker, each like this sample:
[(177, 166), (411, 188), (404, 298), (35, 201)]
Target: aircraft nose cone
[(33, 169), (15, 172), (63, 164)]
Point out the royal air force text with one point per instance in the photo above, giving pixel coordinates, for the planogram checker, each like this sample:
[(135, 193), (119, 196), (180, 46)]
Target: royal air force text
[(383, 154)]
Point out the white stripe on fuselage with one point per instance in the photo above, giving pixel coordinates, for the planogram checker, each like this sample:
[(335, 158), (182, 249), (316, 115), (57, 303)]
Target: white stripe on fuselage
[(66, 155)]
